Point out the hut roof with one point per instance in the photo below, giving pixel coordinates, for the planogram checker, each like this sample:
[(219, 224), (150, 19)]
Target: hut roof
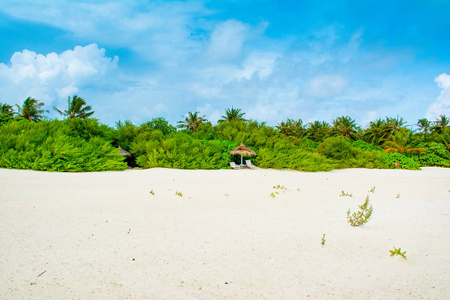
[(242, 150), (124, 153)]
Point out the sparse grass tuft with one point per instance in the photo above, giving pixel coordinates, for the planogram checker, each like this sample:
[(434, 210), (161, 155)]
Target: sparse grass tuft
[(277, 189), (280, 187), (398, 252), (179, 193), (361, 217), (152, 192), (343, 194), (372, 190), (323, 240)]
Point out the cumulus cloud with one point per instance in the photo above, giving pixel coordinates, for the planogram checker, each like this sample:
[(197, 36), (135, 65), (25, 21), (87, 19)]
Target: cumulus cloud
[(53, 77), (441, 106)]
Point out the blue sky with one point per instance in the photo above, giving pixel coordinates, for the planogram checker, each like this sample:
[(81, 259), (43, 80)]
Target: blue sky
[(314, 60)]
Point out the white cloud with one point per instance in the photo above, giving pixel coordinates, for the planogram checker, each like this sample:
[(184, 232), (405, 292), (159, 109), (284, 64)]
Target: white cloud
[(157, 31), (227, 39), (180, 57), (325, 86), (442, 104), (260, 64), (53, 77)]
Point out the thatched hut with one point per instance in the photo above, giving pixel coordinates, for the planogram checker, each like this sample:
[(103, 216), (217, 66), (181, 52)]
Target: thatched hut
[(124, 153), (242, 150)]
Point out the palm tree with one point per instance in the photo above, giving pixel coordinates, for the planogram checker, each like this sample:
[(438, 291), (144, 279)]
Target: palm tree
[(75, 109), (377, 131), (345, 126), (440, 124), (317, 131), (292, 128), (232, 114), (395, 124), (192, 121), (424, 125), (31, 110), (6, 109), (401, 142)]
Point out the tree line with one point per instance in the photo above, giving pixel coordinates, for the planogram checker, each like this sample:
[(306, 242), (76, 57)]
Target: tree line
[(195, 142)]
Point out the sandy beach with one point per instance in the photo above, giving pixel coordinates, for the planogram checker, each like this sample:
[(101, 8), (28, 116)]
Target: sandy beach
[(106, 236)]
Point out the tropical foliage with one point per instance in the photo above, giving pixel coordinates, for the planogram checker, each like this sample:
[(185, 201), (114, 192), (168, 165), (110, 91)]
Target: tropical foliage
[(6, 109), (80, 143), (192, 121), (55, 146), (31, 110), (77, 108), (232, 114)]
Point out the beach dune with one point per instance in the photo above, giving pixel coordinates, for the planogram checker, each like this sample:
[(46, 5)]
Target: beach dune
[(197, 234)]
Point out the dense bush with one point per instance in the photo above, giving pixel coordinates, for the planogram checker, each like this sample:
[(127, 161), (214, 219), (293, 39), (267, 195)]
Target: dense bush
[(181, 151), (5, 119), (294, 159), (252, 133), (436, 155), (87, 145), (338, 148), (56, 146), (160, 124), (404, 161), (360, 144)]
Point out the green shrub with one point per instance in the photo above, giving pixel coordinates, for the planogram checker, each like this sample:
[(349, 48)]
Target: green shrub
[(160, 124), (293, 159), (54, 146), (404, 161), (368, 159), (436, 155), (182, 151), (4, 119), (359, 144), (338, 148)]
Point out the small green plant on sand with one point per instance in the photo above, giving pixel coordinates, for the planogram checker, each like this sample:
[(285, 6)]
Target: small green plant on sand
[(152, 192), (179, 193), (372, 190), (277, 189), (398, 196), (323, 240), (280, 187), (345, 194), (398, 252), (360, 217)]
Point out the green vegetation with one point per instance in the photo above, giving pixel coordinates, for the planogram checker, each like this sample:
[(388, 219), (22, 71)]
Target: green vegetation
[(76, 109), (29, 140), (323, 240), (345, 194), (278, 188), (362, 216), (56, 146), (398, 252)]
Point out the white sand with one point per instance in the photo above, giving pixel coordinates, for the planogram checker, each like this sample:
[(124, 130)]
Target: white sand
[(103, 235)]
